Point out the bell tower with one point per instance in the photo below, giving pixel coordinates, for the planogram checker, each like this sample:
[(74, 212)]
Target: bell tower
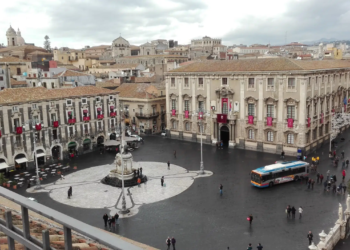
[(11, 37)]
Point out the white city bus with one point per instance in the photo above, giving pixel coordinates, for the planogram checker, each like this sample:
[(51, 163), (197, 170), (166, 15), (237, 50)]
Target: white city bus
[(279, 173)]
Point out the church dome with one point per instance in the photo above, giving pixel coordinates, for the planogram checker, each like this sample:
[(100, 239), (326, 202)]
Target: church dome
[(20, 41), (11, 32), (120, 42)]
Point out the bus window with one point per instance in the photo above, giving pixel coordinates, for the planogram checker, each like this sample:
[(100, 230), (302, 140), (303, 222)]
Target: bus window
[(255, 177)]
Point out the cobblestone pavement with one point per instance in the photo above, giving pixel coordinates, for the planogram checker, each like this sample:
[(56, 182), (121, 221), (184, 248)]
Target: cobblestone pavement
[(199, 218)]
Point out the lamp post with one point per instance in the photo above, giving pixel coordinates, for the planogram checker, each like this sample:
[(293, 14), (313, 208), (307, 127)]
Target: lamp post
[(33, 122), (201, 113)]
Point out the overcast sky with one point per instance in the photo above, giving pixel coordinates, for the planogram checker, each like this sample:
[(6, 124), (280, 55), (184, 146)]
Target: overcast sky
[(76, 23)]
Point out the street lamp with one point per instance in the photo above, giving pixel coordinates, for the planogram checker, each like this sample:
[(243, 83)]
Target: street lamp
[(34, 122), (201, 113)]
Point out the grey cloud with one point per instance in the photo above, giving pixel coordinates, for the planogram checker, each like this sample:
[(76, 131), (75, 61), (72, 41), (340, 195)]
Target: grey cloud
[(303, 21)]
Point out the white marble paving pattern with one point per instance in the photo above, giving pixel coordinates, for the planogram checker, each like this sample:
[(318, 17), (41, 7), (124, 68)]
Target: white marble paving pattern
[(89, 192)]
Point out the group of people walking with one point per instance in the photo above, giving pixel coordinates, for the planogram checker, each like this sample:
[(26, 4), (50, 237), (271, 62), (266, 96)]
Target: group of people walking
[(290, 211), (111, 221)]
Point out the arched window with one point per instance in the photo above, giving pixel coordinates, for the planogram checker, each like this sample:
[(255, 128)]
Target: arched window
[(270, 136), (290, 139), (251, 134), (187, 126), (174, 124)]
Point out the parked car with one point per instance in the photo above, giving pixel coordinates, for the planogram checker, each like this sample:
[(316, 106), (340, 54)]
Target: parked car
[(137, 137), (163, 133)]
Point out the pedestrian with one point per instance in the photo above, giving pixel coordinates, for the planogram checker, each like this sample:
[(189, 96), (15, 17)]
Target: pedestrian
[(222, 145), (162, 181), (168, 242), (138, 172), (300, 212), (138, 181), (343, 165), (175, 153), (250, 219), (116, 216), (308, 183), (293, 212), (259, 247), (343, 174), (325, 186), (347, 163), (249, 247), (317, 159), (70, 192), (113, 223), (310, 236), (288, 211), (221, 187), (312, 184), (173, 241), (321, 178), (342, 154), (282, 154), (169, 165), (334, 154), (62, 177), (344, 188), (318, 177), (105, 219), (141, 171), (306, 179), (109, 223), (334, 188), (328, 173)]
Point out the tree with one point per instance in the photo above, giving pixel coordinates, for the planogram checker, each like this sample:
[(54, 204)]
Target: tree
[(47, 43)]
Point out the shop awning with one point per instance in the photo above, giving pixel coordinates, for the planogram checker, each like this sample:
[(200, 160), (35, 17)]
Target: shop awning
[(86, 141), (21, 160), (3, 165), (111, 143), (72, 144), (40, 155)]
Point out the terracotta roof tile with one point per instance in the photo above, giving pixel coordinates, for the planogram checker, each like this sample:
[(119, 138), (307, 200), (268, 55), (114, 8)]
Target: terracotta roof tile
[(98, 47), (68, 73), (154, 56), (109, 83), (11, 59), (145, 79), (267, 64), (121, 66), (23, 95), (138, 90), (15, 82), (19, 48), (37, 52)]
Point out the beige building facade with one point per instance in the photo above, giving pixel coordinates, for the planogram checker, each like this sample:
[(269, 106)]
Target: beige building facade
[(64, 120), (268, 105), (144, 106)]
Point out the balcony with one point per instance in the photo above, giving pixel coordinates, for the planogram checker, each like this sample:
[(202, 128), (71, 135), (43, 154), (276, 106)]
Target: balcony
[(72, 121), (99, 117), (147, 116), (86, 118), (113, 114)]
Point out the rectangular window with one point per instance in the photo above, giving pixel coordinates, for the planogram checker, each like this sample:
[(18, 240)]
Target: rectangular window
[(173, 104), (15, 109), (291, 112), (315, 108), (200, 105), (53, 117), (290, 139), (186, 82), (34, 106), (320, 130), (98, 99), (251, 109), (326, 128), (270, 84), (140, 111), (224, 108), (36, 119), (154, 109), (187, 105), (200, 82), (314, 134), (172, 82), (270, 136), (1, 78), (16, 122), (69, 102), (250, 83), (291, 83), (84, 101), (270, 109), (224, 81), (251, 134)]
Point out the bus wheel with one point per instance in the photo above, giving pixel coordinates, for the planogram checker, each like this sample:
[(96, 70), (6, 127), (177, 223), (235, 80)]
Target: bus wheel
[(296, 178), (270, 184)]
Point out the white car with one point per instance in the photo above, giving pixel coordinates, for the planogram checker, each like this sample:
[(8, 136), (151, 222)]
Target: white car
[(138, 138)]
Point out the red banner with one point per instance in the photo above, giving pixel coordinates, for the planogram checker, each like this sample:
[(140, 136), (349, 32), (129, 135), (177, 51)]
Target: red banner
[(308, 122), (55, 124), (221, 118), (322, 116), (269, 121), (250, 119), (200, 115), (186, 113), (38, 127), (173, 112), (19, 130), (290, 122)]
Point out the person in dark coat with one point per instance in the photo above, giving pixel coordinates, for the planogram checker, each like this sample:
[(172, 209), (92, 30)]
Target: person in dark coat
[(293, 212), (310, 237), (168, 243), (110, 223), (116, 216), (288, 211), (168, 164), (105, 219), (173, 241), (321, 178), (141, 171), (70, 192), (162, 181), (318, 177)]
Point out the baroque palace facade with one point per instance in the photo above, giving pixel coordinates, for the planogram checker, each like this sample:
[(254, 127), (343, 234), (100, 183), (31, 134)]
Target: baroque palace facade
[(262, 104), (63, 120)]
